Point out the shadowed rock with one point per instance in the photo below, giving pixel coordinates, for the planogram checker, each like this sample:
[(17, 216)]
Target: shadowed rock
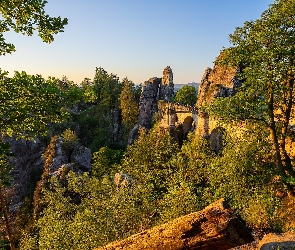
[(277, 241)]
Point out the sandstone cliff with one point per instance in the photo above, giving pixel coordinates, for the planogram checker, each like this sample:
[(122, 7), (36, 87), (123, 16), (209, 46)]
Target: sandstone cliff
[(61, 158), (27, 165), (153, 90), (220, 81), (217, 82)]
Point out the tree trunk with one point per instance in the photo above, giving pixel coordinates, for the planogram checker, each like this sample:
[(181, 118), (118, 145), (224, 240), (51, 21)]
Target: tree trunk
[(215, 227), (273, 133), (6, 218), (287, 109), (276, 145)]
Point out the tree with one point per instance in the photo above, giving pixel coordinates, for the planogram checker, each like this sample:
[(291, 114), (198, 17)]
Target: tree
[(107, 88), (88, 92), (26, 16), (186, 95), (264, 51), (105, 160), (28, 104), (128, 104)]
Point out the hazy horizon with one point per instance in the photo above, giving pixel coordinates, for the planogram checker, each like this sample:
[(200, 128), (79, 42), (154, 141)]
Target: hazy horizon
[(137, 39)]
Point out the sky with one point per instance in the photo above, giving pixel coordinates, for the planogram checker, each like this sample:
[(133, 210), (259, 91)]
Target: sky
[(132, 38)]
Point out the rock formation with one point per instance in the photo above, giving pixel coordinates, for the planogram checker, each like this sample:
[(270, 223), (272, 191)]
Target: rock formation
[(220, 81), (27, 165), (167, 86), (148, 105), (217, 82), (215, 227), (59, 160), (122, 180), (153, 90), (277, 241)]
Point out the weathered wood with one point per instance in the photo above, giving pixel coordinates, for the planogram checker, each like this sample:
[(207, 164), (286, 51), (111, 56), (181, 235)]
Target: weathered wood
[(215, 227)]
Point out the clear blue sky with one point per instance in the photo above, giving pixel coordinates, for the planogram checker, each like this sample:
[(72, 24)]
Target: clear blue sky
[(133, 38)]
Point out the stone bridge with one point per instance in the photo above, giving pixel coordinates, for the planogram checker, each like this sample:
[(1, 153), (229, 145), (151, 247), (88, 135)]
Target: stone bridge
[(175, 115)]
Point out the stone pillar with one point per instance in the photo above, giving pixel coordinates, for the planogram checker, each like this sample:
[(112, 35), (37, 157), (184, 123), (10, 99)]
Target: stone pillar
[(167, 86), (148, 102)]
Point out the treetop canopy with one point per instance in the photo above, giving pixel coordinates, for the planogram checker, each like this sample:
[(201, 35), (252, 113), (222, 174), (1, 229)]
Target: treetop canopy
[(27, 16)]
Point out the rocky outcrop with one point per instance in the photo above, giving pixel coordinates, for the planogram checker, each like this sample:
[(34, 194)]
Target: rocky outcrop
[(167, 86), (153, 90), (122, 180), (148, 105), (218, 82), (277, 241), (215, 227), (116, 128), (215, 139), (27, 165), (61, 158)]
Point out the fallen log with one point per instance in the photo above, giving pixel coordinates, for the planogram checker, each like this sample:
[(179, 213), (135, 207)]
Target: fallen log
[(215, 227)]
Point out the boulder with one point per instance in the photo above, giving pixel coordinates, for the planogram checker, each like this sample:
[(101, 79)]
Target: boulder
[(215, 227), (271, 241), (81, 156)]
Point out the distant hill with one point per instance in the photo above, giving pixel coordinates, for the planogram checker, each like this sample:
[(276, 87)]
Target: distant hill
[(180, 85)]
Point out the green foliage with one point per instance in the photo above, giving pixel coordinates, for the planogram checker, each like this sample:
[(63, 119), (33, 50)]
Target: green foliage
[(25, 17), (97, 123), (128, 105), (264, 51), (107, 88), (168, 182), (29, 103), (137, 92), (186, 95), (72, 92), (70, 139), (243, 176), (147, 160), (104, 214), (179, 200), (95, 127), (5, 167), (88, 91), (105, 160)]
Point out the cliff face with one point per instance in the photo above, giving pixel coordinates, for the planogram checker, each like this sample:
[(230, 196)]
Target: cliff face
[(59, 159), (217, 82), (153, 90), (27, 167), (167, 86), (148, 102)]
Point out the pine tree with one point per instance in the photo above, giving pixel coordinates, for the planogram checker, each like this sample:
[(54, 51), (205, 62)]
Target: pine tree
[(128, 104)]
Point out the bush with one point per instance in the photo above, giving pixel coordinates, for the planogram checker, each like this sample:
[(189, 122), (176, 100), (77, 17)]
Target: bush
[(105, 160), (186, 95), (70, 139)]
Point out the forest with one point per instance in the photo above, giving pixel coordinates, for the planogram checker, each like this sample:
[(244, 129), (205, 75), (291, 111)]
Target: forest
[(69, 203)]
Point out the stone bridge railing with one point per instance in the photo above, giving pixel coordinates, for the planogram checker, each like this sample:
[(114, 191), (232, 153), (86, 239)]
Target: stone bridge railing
[(173, 114)]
